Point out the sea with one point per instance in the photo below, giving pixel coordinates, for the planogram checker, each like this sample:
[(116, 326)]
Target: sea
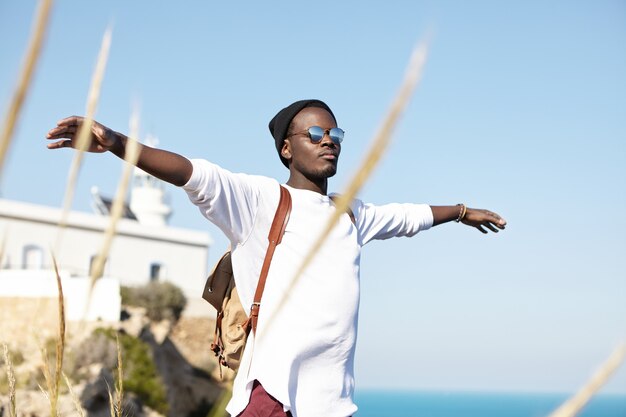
[(377, 403)]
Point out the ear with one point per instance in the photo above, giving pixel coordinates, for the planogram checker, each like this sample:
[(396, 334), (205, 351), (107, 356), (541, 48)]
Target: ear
[(285, 152)]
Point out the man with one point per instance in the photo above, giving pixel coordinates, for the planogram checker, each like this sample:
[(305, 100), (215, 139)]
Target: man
[(302, 364)]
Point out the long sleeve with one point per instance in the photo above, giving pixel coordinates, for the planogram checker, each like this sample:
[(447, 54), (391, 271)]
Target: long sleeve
[(228, 200), (390, 220)]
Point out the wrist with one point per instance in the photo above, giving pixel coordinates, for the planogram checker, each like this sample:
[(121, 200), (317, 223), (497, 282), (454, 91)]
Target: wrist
[(462, 212), (118, 146)]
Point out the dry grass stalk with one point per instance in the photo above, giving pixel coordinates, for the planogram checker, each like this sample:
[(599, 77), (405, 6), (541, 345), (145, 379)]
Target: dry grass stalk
[(11, 379), (79, 408), (44, 353), (84, 134), (111, 402), (53, 381), (32, 55), (575, 404), (48, 392), (117, 208), (60, 346), (380, 143), (119, 388)]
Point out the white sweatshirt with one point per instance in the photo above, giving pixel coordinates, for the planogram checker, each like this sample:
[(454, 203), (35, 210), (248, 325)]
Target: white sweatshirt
[(305, 357)]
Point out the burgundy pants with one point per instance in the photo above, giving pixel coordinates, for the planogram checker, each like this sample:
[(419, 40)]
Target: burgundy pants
[(262, 404)]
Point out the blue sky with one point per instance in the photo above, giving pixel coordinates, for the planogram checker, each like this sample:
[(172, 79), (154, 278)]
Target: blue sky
[(522, 110)]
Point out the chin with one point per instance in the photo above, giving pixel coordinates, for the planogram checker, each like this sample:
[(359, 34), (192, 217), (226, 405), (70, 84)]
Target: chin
[(329, 171), (322, 174)]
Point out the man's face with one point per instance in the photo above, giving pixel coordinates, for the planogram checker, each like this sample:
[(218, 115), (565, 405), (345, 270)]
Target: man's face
[(313, 160)]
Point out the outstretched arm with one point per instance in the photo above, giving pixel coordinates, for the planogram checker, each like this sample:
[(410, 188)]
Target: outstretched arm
[(478, 218), (165, 165)]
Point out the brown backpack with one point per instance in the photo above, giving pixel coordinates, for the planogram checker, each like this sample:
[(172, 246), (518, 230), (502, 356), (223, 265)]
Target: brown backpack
[(232, 324)]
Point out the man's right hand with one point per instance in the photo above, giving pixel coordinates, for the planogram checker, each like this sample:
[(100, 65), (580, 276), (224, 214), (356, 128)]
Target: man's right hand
[(102, 138), (165, 165)]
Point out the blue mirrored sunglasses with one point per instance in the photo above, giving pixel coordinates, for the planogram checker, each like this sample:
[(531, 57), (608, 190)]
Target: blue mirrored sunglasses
[(316, 134)]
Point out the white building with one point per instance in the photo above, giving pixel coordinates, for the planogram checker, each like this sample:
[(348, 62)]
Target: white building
[(144, 249)]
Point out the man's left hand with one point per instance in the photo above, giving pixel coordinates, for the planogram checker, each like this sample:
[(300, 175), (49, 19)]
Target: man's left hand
[(481, 219)]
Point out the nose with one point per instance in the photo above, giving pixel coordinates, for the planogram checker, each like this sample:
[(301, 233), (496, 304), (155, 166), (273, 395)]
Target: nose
[(326, 140)]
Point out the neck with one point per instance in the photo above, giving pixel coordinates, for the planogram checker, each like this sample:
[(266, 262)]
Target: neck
[(303, 183)]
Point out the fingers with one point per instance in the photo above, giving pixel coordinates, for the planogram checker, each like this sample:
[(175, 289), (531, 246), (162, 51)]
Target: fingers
[(496, 219), (70, 121), (491, 227), (64, 131), (65, 127), (488, 219), (60, 144), (484, 220)]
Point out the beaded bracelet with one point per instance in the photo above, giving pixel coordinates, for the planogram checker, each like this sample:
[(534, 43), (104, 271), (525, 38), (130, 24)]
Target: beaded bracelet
[(462, 212)]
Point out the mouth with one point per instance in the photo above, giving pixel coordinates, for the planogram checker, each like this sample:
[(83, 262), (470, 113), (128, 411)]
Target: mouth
[(329, 155)]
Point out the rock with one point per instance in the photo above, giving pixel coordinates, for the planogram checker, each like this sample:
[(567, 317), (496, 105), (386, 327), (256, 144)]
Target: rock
[(96, 401), (193, 337), (160, 330), (190, 391), (134, 321), (183, 365), (95, 395)]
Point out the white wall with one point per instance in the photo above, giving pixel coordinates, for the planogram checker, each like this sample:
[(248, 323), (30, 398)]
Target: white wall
[(182, 253), (104, 305)]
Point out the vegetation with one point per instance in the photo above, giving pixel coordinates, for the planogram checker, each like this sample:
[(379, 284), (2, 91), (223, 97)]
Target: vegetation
[(162, 300), (140, 375)]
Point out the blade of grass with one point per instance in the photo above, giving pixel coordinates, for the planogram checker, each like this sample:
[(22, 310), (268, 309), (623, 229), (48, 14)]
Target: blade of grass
[(23, 84), (117, 209), (575, 404), (79, 408), (380, 143), (47, 374), (53, 381), (111, 401), (43, 391), (84, 135), (119, 388), (11, 380), (60, 346)]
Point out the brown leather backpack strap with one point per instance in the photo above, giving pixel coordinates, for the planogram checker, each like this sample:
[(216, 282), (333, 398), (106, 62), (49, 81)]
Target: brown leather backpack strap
[(275, 236)]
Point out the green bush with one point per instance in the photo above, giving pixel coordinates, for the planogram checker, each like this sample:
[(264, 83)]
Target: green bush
[(140, 375), (162, 300)]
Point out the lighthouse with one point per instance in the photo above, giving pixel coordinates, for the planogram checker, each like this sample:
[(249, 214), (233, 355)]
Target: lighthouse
[(148, 199)]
